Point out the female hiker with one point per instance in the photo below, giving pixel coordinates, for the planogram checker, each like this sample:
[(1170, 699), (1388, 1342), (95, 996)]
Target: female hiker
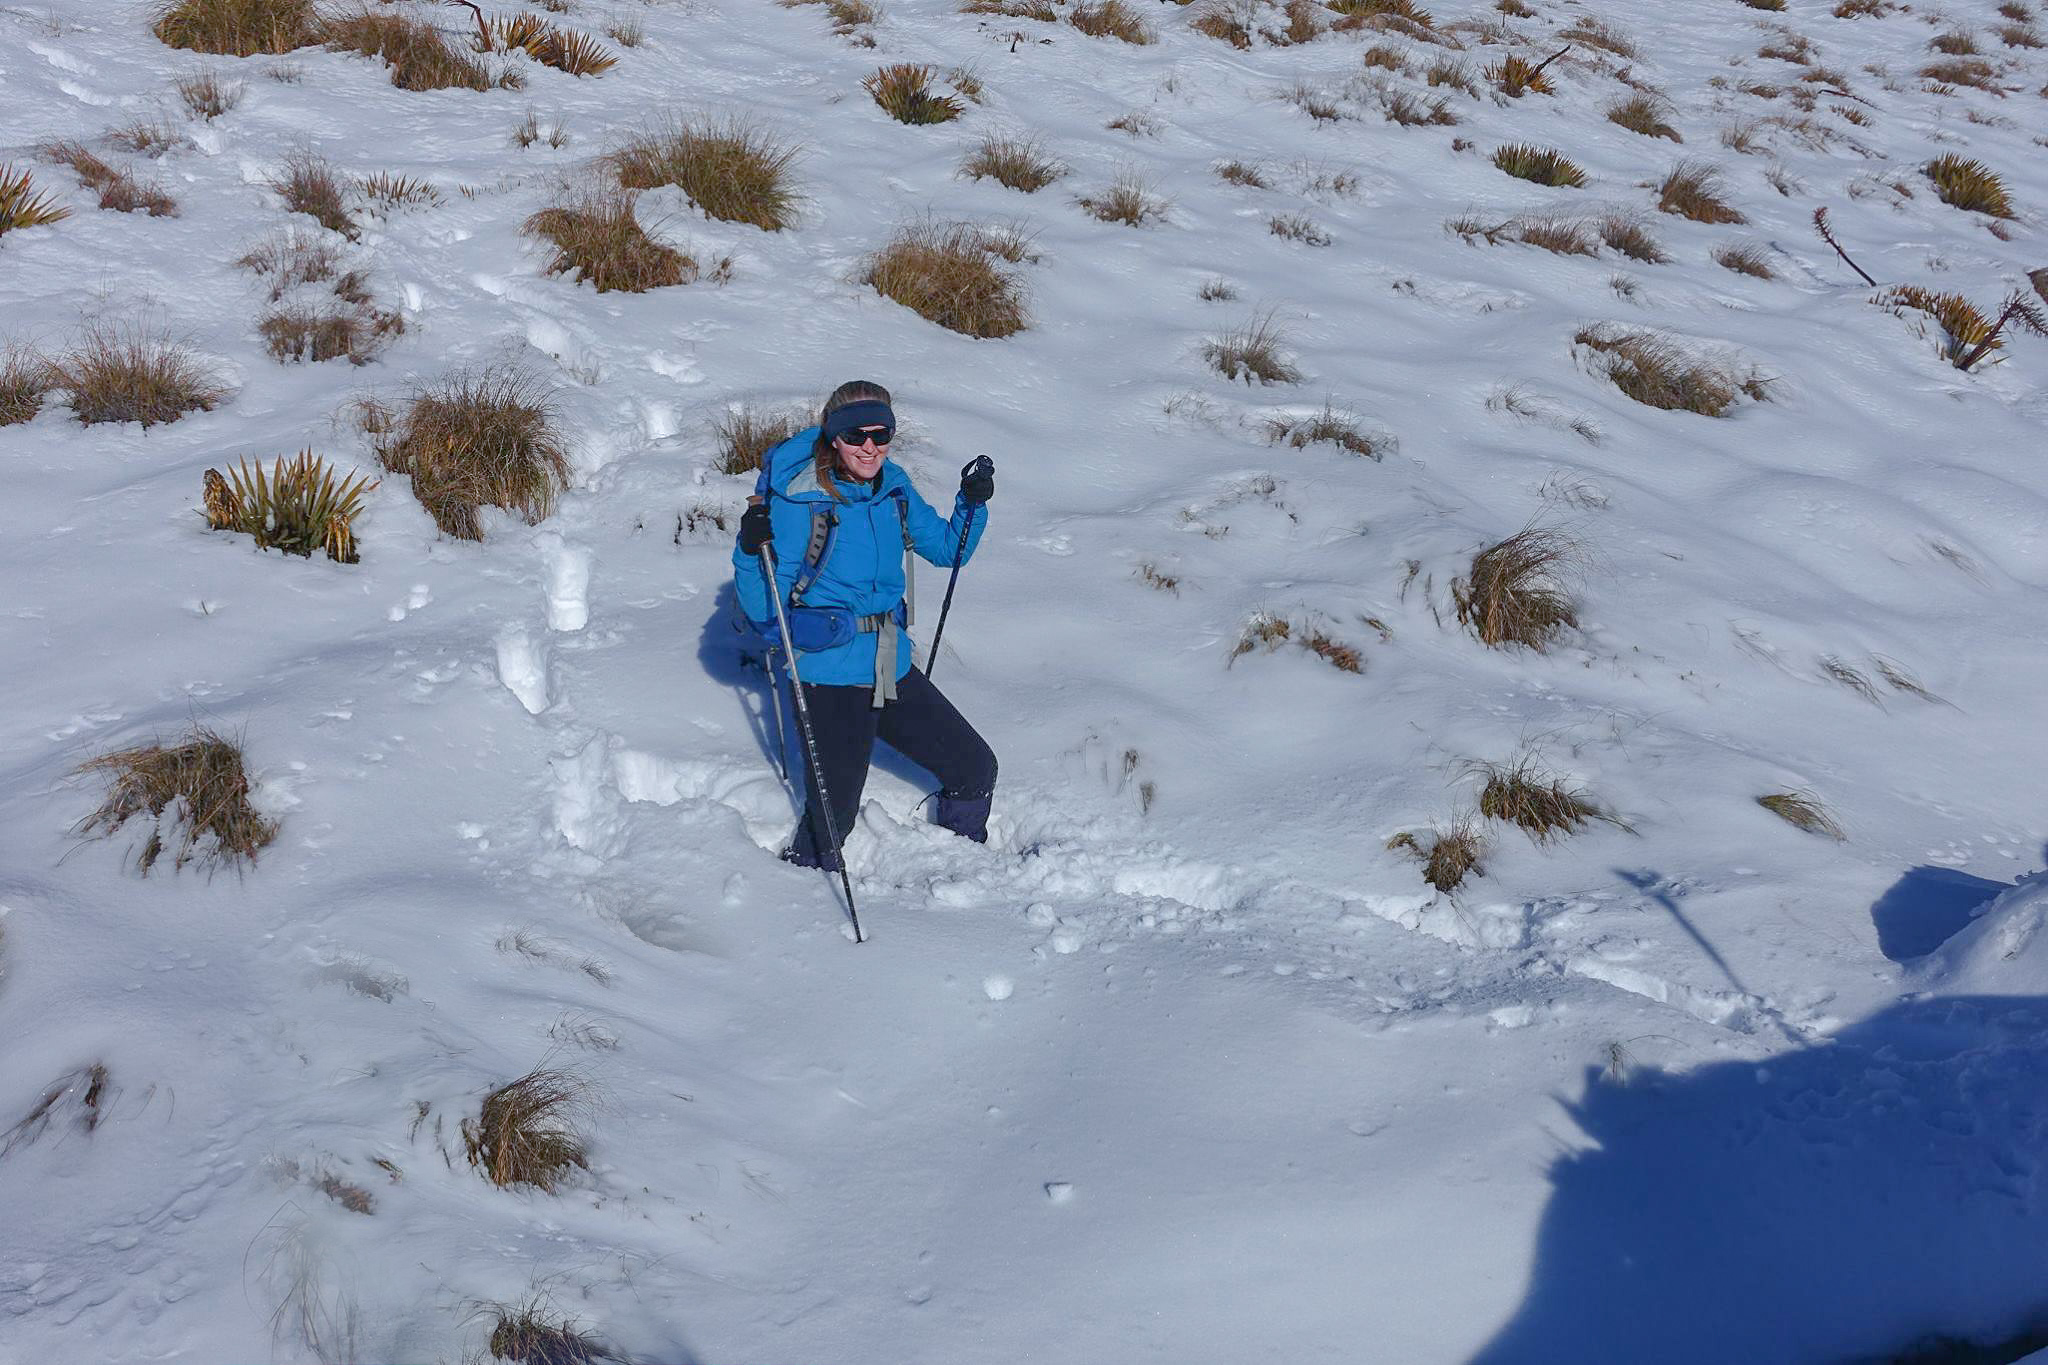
[(842, 522)]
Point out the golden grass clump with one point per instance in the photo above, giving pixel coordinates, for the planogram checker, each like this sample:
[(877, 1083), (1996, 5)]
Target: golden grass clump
[(1128, 200), (118, 190), (207, 96), (1559, 234), (398, 191), (354, 332), (1539, 164), (309, 185), (1692, 189), (1597, 33), (948, 273), (118, 374), (200, 784), (598, 239), (1643, 114), (1222, 20), (525, 1134), (2020, 35), (1246, 173), (238, 28), (1328, 427), (1539, 804), (24, 379), (1454, 854), (1109, 19), (1517, 76), (22, 205), (1775, 5), (533, 1333), (1803, 811), (1517, 592), (301, 505), (1857, 9), (746, 434), (1252, 352), (731, 169), (1654, 371), (419, 55), (1969, 185), (1954, 42), (904, 92), (1625, 233), (1745, 258), (475, 439), (1405, 10), (1018, 163), (1974, 72)]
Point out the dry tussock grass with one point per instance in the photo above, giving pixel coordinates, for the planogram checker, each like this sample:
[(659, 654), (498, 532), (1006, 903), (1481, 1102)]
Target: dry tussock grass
[(1643, 114), (1273, 631), (1296, 227), (597, 238), (308, 185), (1765, 4), (292, 258), (1560, 234), (87, 1091), (1384, 58), (526, 1132), (1128, 200), (118, 189), (1306, 22), (1802, 810), (419, 55), (207, 96), (626, 32), (1656, 372), (2020, 35), (1248, 174), (1252, 352), (1110, 19), (746, 434), (398, 191), (354, 331), (302, 505), (1227, 21), (1597, 33), (1974, 72), (24, 380), (1969, 185), (1541, 165), (904, 92), (201, 785), (22, 205), (1328, 427), (1857, 9), (534, 1333), (1692, 189), (238, 28), (1537, 802), (947, 273), (1409, 110), (121, 373), (1454, 853), (151, 137), (1625, 233), (1041, 10), (1447, 71), (731, 169), (1404, 10), (1216, 291), (1517, 593), (1745, 258), (475, 439), (1018, 163), (1955, 42)]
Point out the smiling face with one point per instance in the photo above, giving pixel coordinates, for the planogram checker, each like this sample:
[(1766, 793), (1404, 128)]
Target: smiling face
[(862, 452)]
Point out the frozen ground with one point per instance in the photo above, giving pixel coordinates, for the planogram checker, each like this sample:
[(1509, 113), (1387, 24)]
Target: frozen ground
[(1185, 1065)]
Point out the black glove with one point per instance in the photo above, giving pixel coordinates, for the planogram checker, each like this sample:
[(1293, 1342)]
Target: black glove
[(756, 529), (978, 480)]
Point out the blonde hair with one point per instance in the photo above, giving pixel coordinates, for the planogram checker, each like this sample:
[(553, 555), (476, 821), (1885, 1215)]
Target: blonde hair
[(824, 460)]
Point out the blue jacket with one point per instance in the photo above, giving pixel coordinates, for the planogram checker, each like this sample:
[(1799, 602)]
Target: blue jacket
[(863, 573)]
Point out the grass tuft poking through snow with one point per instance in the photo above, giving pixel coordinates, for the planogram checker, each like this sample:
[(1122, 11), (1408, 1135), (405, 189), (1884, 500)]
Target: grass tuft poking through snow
[(118, 190), (747, 433), (476, 439), (238, 28), (1969, 185), (1655, 371), (536, 1333), (1110, 19), (302, 505), (904, 92), (731, 169), (419, 55), (1539, 164), (947, 273), (597, 238), (201, 785), (1251, 352), (85, 1093), (1516, 592), (1453, 854), (1536, 802), (1328, 427), (207, 96), (1802, 810), (22, 205), (24, 380), (1128, 200), (128, 374), (1693, 189), (1645, 114), (525, 1133), (309, 185), (1019, 163)]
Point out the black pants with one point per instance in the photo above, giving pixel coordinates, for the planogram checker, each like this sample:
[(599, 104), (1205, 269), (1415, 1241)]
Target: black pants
[(922, 726)]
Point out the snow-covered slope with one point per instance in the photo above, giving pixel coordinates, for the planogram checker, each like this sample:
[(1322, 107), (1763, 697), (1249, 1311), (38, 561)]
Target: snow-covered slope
[(1187, 1064)]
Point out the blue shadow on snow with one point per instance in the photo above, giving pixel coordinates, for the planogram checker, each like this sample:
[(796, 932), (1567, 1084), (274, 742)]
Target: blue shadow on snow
[(1926, 907)]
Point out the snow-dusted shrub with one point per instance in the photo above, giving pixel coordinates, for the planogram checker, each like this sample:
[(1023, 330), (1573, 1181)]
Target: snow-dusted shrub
[(354, 332), (238, 28), (1019, 163), (948, 273), (128, 374), (200, 786), (1692, 189), (904, 92), (308, 185), (1538, 803), (1643, 114), (1252, 352), (526, 1134), (1657, 372), (731, 169), (1542, 165), (1110, 19), (1517, 591), (302, 505), (596, 237), (1306, 22), (118, 189), (419, 55), (475, 439), (1802, 810), (1969, 185), (24, 378)]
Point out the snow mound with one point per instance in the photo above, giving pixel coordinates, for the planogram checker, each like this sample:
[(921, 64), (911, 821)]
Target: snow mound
[(2002, 952)]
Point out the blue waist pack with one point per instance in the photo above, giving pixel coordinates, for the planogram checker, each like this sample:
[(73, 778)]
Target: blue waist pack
[(816, 628)]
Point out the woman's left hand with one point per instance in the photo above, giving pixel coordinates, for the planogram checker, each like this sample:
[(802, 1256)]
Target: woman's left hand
[(978, 480)]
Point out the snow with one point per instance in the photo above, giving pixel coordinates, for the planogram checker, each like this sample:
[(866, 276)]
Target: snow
[(1186, 1064)]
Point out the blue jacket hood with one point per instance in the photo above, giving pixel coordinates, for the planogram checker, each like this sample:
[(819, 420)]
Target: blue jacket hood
[(788, 469)]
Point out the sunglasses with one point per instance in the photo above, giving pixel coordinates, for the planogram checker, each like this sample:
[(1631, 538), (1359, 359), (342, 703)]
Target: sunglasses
[(879, 436)]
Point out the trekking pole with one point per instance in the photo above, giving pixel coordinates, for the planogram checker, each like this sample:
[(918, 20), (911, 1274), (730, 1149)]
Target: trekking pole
[(775, 701), (959, 552), (803, 723)]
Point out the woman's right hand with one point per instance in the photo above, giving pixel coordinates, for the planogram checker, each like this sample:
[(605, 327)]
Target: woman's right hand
[(756, 529)]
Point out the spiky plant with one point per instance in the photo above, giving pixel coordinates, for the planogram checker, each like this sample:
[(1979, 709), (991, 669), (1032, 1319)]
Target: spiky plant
[(21, 206), (1539, 164), (302, 505), (1969, 185)]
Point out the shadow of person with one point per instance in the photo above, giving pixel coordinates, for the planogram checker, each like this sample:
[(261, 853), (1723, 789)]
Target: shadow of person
[(1836, 1203), (1926, 907)]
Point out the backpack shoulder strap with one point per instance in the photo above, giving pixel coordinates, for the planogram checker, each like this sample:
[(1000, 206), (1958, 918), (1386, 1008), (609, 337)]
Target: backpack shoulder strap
[(824, 524)]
